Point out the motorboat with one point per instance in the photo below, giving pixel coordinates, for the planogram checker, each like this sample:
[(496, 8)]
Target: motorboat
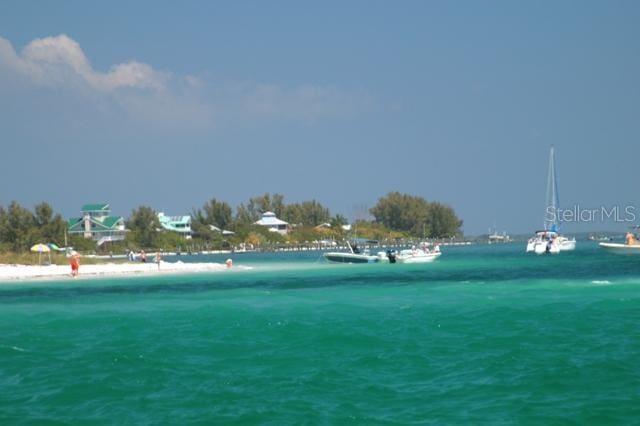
[(549, 239), (354, 255), (631, 245), (421, 254), (418, 255), (620, 248)]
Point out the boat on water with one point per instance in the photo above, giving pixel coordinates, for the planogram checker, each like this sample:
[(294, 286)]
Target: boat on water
[(495, 238), (354, 255), (630, 246), (421, 254), (549, 240), (620, 248), (418, 255)]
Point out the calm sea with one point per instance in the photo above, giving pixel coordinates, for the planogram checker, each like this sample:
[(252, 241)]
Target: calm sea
[(485, 335)]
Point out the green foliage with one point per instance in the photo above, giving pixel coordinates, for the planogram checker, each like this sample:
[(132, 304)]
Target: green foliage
[(51, 226), (396, 215), (307, 234), (338, 221), (214, 212), (444, 222), (376, 231), (415, 216), (257, 205), (143, 225), (20, 228), (307, 213), (81, 244)]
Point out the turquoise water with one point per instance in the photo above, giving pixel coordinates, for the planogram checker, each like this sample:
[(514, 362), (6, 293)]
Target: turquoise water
[(486, 334)]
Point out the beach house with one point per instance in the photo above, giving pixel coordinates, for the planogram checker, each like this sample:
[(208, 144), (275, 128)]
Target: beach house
[(179, 224), (97, 223), (274, 224)]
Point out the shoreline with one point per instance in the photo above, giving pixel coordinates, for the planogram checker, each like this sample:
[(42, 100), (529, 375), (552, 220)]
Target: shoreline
[(12, 273)]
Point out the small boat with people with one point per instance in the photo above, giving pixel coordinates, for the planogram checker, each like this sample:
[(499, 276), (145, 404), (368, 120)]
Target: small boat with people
[(420, 254), (631, 245), (354, 255)]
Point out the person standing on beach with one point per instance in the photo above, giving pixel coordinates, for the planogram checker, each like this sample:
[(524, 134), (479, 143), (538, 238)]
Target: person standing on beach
[(74, 261), (143, 256), (158, 259)]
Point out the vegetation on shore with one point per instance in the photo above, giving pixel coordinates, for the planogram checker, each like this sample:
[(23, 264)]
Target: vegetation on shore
[(395, 216)]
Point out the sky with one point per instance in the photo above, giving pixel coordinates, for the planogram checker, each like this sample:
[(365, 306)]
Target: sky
[(170, 104)]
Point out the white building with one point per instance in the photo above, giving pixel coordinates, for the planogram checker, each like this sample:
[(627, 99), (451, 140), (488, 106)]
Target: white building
[(274, 224), (179, 224)]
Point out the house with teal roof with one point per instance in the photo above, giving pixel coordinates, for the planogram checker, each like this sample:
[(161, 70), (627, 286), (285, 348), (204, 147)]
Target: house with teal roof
[(179, 224), (98, 224)]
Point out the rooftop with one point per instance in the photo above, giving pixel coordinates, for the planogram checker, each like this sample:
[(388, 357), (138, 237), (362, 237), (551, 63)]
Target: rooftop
[(104, 207)]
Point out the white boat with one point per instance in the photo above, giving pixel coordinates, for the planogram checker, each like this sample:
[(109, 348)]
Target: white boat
[(494, 237), (619, 248), (549, 240), (566, 244), (420, 254), (544, 242), (417, 256), (353, 256)]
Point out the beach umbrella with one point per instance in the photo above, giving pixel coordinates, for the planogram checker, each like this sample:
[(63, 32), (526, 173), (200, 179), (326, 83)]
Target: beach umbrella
[(41, 248)]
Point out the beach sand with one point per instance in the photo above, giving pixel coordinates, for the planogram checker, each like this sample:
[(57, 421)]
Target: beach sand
[(31, 272)]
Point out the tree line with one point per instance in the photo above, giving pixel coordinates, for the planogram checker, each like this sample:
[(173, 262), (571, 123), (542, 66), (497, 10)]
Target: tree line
[(394, 216)]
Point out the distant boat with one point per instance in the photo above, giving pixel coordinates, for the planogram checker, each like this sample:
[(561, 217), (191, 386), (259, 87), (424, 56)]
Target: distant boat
[(354, 255), (549, 239), (418, 255), (494, 237), (631, 245), (619, 248)]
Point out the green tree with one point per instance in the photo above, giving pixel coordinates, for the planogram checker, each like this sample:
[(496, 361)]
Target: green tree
[(51, 226), (415, 216), (253, 210), (217, 213), (403, 212), (144, 224), (4, 243), (444, 221), (20, 231), (307, 213), (338, 221)]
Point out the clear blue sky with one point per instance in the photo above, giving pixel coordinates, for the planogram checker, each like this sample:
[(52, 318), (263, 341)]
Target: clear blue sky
[(169, 104)]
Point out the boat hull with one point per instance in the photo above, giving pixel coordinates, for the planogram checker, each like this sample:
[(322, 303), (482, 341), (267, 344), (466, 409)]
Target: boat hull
[(543, 247), (567, 245), (417, 258), (339, 257), (617, 248)]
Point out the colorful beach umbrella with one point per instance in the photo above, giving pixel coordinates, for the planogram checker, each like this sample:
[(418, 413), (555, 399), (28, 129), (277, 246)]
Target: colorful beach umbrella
[(41, 248)]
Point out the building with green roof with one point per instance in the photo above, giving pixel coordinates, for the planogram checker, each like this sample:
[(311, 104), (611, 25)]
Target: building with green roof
[(97, 223), (180, 224)]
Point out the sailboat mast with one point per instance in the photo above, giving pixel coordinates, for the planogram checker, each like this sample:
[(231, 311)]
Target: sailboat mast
[(552, 201)]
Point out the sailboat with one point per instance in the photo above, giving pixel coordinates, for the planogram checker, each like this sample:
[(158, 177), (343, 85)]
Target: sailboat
[(549, 239)]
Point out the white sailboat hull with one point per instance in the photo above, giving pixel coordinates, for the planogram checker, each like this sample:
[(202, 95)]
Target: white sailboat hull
[(567, 244)]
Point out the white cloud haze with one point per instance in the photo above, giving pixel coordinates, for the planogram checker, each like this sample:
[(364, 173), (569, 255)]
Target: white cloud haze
[(161, 97)]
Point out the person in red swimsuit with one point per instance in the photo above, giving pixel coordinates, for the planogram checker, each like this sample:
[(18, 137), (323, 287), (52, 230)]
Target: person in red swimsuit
[(74, 261)]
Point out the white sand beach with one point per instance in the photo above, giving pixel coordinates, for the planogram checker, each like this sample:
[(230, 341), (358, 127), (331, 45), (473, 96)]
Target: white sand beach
[(29, 272)]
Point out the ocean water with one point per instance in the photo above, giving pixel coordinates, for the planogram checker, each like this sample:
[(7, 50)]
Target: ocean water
[(485, 335)]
